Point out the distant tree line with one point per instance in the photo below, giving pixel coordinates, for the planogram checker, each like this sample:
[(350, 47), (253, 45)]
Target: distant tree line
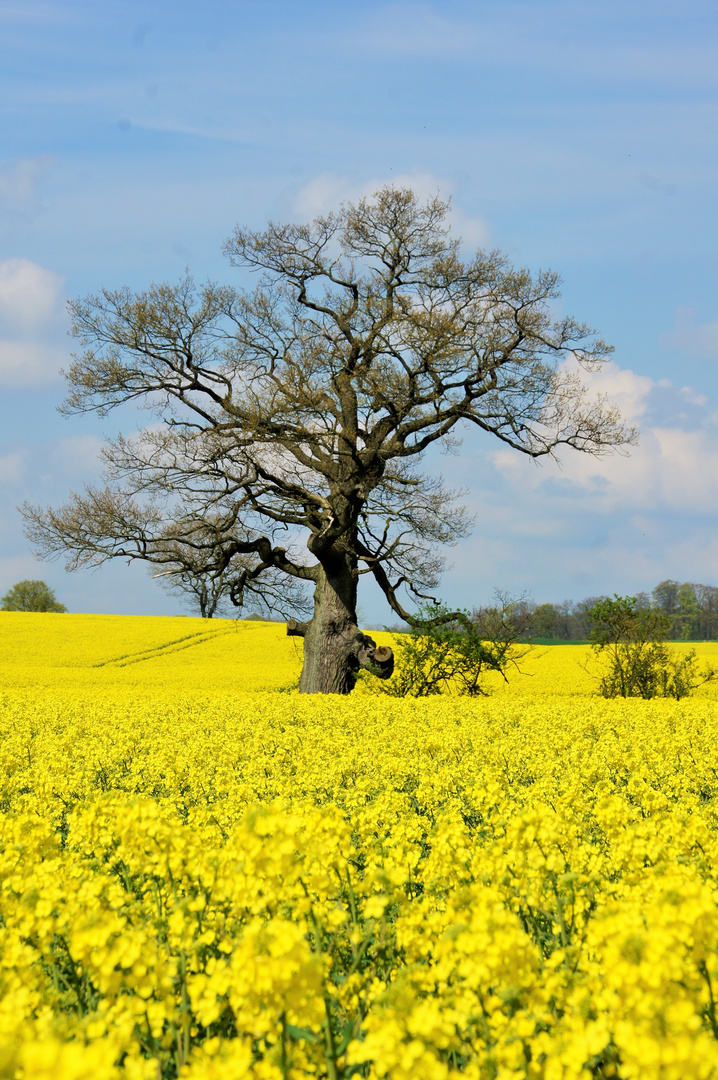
[(691, 608)]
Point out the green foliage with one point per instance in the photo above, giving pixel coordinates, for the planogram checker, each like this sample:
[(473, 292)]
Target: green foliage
[(691, 608), (689, 612), (545, 621), (31, 596), (451, 652), (630, 639)]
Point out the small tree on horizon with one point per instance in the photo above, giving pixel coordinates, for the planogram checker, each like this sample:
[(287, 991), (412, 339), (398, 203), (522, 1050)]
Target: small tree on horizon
[(217, 586), (31, 596)]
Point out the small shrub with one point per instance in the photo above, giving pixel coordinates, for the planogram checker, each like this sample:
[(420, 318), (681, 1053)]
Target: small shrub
[(631, 641), (445, 654)]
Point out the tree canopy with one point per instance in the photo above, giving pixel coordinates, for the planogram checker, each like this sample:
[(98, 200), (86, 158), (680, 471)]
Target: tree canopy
[(31, 596), (294, 416)]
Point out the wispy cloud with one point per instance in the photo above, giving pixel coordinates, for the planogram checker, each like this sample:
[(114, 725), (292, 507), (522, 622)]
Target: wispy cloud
[(416, 30), (30, 12), (12, 469), (32, 321), (19, 186), (326, 191), (690, 336), (29, 363), (78, 453)]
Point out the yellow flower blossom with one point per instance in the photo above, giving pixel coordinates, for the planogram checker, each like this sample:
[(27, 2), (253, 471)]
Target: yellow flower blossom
[(204, 876)]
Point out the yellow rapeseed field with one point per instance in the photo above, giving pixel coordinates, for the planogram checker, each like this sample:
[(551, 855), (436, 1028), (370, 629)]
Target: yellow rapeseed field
[(206, 875)]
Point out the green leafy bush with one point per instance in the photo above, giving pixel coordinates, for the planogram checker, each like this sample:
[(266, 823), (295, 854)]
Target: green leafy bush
[(630, 640), (451, 652)]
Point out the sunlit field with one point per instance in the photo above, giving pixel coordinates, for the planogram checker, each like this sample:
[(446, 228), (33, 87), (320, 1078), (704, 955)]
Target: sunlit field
[(152, 655), (182, 655), (206, 875)]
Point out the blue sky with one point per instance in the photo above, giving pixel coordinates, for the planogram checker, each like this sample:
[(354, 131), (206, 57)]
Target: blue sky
[(576, 136)]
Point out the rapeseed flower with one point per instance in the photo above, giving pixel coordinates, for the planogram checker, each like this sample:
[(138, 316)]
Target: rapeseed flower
[(215, 882)]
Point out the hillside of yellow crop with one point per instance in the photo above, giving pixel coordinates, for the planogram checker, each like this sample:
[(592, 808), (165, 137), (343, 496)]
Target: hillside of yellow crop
[(146, 654), (154, 654)]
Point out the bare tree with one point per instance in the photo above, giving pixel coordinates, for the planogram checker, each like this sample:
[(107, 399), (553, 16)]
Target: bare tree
[(213, 592), (197, 568), (208, 594), (303, 407)]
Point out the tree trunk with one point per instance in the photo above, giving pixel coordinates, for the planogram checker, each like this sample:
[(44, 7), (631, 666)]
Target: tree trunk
[(334, 647)]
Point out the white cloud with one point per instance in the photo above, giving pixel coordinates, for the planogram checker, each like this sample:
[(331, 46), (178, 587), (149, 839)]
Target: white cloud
[(687, 470), (691, 396), (623, 386), (322, 194), (32, 322), (30, 295), (586, 526), (326, 192), (31, 12), (415, 29), (29, 363), (674, 469)]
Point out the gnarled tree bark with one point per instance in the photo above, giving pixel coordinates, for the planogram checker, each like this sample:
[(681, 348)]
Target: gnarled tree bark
[(334, 646)]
